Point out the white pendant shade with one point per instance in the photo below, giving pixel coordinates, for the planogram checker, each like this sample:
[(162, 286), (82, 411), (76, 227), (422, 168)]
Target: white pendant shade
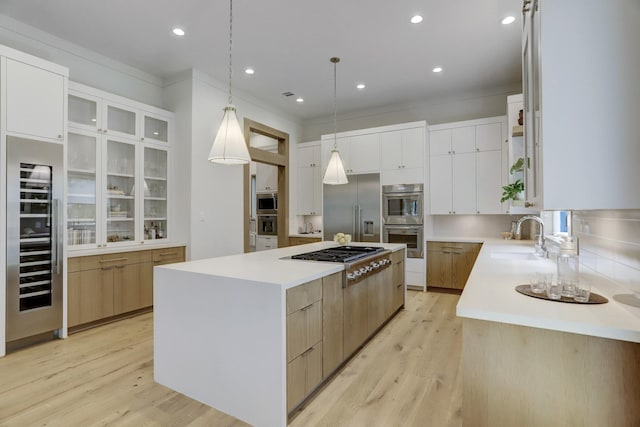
[(229, 146), (335, 175)]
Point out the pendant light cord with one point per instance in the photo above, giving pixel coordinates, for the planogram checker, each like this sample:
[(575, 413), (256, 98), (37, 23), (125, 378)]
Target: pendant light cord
[(230, 46), (335, 61)]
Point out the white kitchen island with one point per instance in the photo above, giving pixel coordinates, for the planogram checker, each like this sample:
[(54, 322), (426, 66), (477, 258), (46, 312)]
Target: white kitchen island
[(532, 362), (220, 328)]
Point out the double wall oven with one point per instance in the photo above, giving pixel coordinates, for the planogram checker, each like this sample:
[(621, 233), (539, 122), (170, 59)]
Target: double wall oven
[(403, 216), (267, 212)]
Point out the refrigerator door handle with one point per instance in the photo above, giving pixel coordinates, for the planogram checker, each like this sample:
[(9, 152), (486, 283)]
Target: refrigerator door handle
[(356, 219), (360, 231)]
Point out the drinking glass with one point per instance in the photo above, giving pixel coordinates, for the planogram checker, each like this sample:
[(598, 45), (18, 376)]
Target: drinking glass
[(582, 290), (538, 283), (554, 289)]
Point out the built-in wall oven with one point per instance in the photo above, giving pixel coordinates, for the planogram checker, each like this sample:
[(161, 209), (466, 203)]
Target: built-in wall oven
[(403, 217), (267, 225), (402, 204), (411, 235), (267, 203)]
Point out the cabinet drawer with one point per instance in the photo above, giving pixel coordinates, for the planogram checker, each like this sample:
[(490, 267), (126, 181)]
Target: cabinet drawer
[(304, 329), (453, 246), (303, 295), (168, 255), (94, 262), (304, 373)]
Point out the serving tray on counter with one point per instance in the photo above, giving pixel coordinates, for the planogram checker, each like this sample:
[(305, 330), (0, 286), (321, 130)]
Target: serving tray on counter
[(593, 297)]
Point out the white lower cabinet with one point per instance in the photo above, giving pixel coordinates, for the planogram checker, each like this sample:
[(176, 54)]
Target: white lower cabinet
[(264, 243)]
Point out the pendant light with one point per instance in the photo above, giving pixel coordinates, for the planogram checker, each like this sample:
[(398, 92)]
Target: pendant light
[(335, 175), (229, 146)]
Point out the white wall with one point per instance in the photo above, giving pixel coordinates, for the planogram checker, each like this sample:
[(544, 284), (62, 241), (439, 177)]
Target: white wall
[(213, 221), (85, 66), (460, 107)]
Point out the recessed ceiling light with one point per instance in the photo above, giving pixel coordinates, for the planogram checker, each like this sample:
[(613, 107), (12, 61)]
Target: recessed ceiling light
[(508, 20), (156, 133), (178, 31), (94, 120), (360, 86), (249, 70), (299, 100), (437, 70), (416, 19)]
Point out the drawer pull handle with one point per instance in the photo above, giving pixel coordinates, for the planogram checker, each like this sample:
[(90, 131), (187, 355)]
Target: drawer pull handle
[(399, 285), (113, 260), (168, 253), (307, 352), (107, 268), (306, 307)]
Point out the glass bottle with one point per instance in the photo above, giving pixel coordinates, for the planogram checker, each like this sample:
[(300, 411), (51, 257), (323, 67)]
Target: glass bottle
[(152, 231), (568, 268), (160, 233)]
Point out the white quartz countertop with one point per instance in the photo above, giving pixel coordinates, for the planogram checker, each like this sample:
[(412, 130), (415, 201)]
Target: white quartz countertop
[(272, 266), (490, 295), (122, 249)]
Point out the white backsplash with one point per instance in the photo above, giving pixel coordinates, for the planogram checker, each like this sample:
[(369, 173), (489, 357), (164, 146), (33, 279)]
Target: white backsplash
[(471, 225), (609, 244)]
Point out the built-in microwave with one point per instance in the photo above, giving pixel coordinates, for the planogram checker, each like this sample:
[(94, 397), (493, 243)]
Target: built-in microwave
[(402, 204), (266, 203)]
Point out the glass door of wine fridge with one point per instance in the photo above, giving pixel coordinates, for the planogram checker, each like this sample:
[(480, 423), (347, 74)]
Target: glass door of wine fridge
[(34, 241)]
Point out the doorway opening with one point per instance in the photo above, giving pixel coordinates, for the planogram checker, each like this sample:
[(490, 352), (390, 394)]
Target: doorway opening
[(266, 182)]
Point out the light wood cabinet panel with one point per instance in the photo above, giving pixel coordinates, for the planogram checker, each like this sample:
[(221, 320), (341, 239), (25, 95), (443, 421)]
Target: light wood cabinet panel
[(332, 323), (450, 263), (355, 317), (303, 295), (304, 329), (90, 295), (168, 255), (304, 373), (294, 241), (397, 280), (377, 299), (439, 268), (129, 290)]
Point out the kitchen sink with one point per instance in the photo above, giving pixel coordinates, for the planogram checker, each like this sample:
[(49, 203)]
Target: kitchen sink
[(520, 256)]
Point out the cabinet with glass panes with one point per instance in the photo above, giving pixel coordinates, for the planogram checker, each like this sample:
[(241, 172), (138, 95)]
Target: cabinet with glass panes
[(118, 170)]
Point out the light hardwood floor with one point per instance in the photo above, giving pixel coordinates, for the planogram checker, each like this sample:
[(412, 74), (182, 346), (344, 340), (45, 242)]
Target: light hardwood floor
[(408, 375)]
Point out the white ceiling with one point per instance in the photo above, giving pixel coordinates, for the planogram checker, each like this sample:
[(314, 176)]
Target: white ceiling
[(289, 43)]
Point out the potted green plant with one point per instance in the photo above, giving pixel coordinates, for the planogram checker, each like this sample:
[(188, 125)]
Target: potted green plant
[(518, 166), (512, 191)]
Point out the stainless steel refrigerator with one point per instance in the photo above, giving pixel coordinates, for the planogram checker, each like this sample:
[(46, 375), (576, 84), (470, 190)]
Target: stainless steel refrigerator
[(353, 208), (34, 237)]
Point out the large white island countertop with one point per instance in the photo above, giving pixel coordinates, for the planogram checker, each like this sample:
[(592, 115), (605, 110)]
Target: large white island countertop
[(220, 328), (490, 295), (272, 266)]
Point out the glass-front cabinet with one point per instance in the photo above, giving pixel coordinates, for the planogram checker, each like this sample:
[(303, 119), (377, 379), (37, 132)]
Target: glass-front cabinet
[(82, 190), (120, 190), (155, 193), (118, 187)]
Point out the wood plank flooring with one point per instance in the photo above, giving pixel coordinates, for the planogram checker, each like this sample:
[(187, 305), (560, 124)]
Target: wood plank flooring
[(408, 375)]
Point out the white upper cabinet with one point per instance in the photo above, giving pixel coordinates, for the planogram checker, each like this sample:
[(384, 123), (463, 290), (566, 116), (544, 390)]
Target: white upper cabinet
[(466, 167), (402, 156), (266, 178), (583, 88), (309, 179), (364, 153), (155, 128), (35, 100), (489, 137)]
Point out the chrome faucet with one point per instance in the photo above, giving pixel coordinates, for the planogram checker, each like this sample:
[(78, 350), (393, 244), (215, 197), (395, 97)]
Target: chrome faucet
[(540, 247)]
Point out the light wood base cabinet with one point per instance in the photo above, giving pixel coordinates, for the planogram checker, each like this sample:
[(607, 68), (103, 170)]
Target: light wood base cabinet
[(450, 263), (103, 286), (304, 373), (530, 377), (332, 323), (294, 240), (397, 280)]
